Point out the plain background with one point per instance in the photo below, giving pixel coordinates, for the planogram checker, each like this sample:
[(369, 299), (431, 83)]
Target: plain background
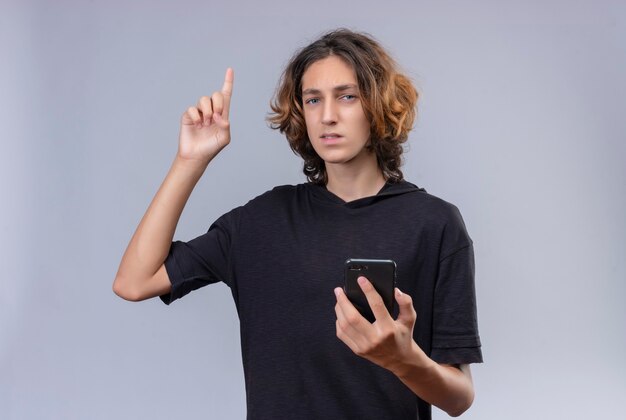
[(520, 125)]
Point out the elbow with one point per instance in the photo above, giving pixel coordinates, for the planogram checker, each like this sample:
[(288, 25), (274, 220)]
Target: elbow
[(123, 289), (462, 405), (457, 413)]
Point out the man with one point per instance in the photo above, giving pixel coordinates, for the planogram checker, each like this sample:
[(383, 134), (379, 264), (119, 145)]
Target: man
[(346, 110)]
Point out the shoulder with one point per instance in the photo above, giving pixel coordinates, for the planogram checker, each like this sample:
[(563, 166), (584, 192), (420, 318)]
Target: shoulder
[(279, 197), (265, 206), (440, 217), (278, 193), (429, 205)]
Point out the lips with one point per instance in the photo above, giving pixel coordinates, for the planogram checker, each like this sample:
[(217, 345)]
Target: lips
[(329, 136)]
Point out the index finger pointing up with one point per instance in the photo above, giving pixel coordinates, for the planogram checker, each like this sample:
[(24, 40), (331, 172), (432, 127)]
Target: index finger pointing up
[(227, 90)]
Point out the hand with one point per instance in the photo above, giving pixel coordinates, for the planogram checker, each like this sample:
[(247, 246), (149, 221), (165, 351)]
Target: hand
[(386, 342), (205, 128), (390, 344)]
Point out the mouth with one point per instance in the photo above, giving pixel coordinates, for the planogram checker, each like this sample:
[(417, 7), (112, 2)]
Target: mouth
[(330, 136)]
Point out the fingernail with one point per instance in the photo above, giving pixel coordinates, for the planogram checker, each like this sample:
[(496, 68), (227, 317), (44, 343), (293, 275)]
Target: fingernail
[(362, 280), (337, 291), (398, 293)]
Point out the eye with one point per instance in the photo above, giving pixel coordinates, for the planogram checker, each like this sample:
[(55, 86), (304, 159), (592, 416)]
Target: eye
[(348, 97), (311, 101)]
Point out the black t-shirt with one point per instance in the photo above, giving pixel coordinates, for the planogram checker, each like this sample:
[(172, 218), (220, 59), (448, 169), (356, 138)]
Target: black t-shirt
[(283, 253)]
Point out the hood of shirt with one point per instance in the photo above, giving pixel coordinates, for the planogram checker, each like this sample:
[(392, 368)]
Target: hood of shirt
[(390, 189)]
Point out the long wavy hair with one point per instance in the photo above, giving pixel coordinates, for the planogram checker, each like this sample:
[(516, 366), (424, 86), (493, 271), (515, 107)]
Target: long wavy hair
[(388, 98)]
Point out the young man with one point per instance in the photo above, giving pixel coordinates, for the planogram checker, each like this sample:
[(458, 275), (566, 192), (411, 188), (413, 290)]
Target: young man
[(346, 110)]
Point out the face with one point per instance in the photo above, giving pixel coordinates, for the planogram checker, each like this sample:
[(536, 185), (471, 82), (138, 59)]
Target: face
[(335, 121)]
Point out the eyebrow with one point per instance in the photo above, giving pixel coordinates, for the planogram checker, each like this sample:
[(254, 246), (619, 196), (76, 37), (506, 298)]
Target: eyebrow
[(340, 88)]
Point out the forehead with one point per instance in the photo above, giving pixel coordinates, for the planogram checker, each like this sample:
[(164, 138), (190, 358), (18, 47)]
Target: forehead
[(327, 73)]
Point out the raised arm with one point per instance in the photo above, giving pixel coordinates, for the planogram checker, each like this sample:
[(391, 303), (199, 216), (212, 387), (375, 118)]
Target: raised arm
[(204, 132)]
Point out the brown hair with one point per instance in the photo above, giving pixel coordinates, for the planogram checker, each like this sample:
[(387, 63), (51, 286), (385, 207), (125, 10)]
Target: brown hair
[(388, 98)]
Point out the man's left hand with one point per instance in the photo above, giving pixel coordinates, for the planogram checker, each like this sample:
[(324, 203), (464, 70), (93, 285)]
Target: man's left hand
[(386, 342)]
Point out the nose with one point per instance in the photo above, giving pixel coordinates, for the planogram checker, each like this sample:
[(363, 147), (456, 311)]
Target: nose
[(329, 114)]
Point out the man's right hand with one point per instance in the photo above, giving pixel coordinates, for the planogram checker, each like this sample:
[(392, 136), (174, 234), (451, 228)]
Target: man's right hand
[(204, 131), (205, 128)]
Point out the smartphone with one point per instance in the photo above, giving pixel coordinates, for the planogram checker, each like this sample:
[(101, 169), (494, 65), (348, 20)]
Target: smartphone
[(381, 273)]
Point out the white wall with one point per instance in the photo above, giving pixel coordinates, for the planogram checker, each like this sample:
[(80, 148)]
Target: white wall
[(520, 125)]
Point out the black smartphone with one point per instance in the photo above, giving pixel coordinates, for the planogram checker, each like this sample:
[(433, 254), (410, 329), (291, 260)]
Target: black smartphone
[(381, 273)]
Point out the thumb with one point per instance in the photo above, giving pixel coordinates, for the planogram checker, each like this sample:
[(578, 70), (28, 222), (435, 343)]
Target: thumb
[(407, 314)]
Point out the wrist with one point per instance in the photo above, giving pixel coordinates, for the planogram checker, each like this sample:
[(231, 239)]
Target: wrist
[(189, 165), (415, 362), (184, 174)]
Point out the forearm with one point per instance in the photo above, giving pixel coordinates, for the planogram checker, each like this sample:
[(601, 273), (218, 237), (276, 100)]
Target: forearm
[(444, 386), (150, 243)]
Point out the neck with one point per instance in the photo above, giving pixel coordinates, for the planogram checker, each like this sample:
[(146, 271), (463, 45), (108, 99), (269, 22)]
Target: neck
[(351, 182)]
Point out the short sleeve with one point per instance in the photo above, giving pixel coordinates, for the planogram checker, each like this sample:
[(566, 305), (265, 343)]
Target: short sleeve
[(203, 260), (455, 338), (455, 325)]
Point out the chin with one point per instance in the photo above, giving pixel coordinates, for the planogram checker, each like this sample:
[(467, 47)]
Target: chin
[(336, 159)]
